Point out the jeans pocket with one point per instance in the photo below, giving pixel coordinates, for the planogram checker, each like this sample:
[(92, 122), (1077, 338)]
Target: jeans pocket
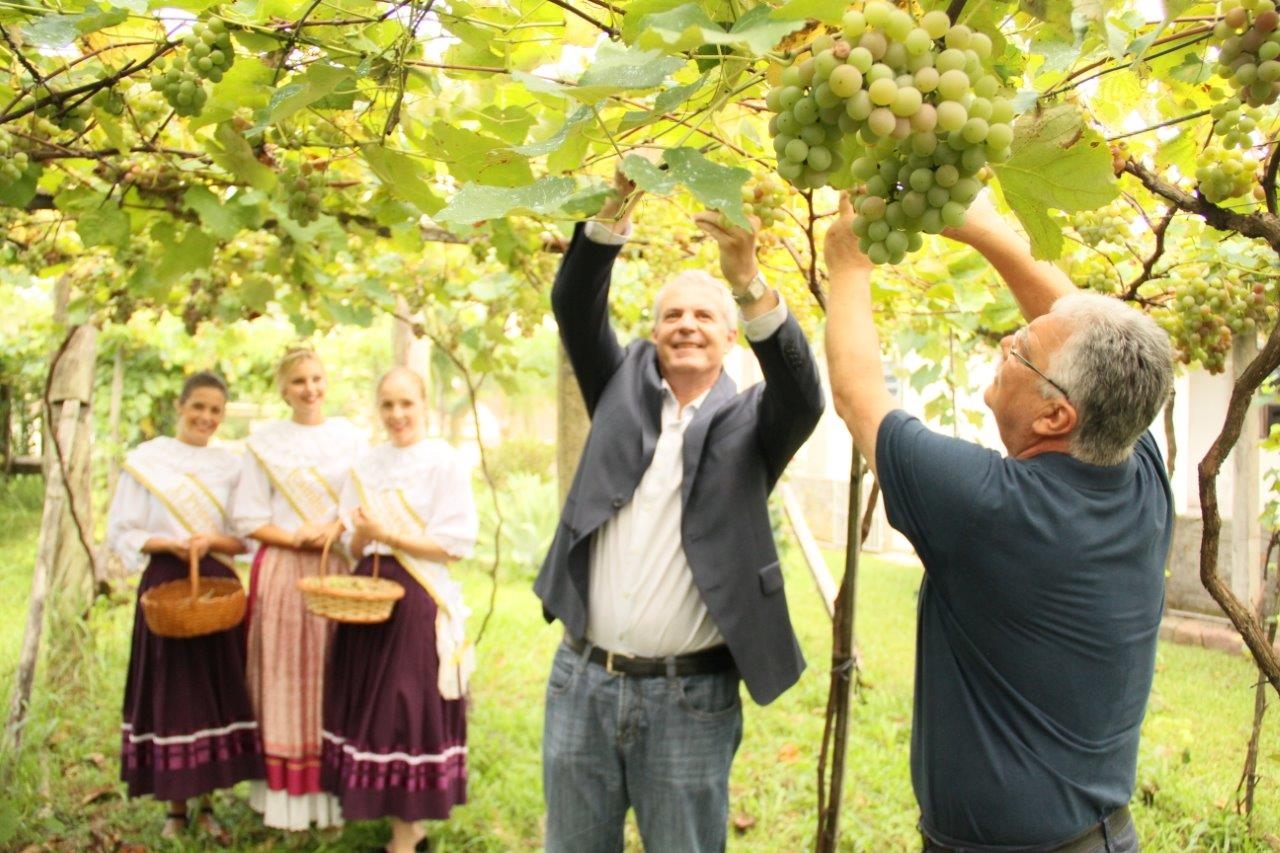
[(565, 667), (708, 697)]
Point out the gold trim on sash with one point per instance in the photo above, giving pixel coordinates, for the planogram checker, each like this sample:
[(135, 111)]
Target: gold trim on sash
[(183, 506), (297, 493)]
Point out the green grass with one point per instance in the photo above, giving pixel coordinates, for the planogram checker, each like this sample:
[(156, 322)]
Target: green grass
[(62, 789)]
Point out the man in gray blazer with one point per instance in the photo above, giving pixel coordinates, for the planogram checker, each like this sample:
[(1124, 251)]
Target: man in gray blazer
[(663, 568)]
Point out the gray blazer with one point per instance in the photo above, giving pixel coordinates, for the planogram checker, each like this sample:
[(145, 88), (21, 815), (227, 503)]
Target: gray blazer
[(734, 452)]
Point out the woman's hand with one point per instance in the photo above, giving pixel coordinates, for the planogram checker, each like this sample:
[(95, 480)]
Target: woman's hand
[(311, 535), (367, 527)]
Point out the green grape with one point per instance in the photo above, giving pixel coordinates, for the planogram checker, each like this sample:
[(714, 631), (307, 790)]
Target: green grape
[(1248, 43), (303, 187), (765, 197), (1225, 173), (906, 110)]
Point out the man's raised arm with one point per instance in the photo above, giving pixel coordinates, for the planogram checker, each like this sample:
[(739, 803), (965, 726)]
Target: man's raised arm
[(1036, 285)]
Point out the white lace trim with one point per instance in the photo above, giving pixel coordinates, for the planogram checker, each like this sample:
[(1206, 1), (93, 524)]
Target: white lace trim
[(214, 465), (290, 445)]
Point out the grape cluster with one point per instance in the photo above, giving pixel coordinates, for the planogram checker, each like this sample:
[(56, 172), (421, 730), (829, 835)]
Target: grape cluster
[(765, 197), (1248, 42), (209, 50), (1209, 307), (1234, 123), (13, 162), (303, 188), (109, 101), (909, 106), (1108, 224), (1225, 173), (64, 116), (182, 88)]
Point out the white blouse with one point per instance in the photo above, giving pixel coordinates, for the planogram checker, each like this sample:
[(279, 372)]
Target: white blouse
[(325, 450), (137, 515), (435, 483)]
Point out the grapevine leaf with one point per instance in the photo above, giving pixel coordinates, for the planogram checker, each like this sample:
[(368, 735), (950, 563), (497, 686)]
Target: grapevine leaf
[(477, 202), (623, 69), (757, 32), (232, 152), (52, 32), (715, 186), (826, 11), (474, 156), (192, 251), (1058, 162), (319, 81), (647, 176), (403, 176), (107, 225), (556, 140), (221, 222)]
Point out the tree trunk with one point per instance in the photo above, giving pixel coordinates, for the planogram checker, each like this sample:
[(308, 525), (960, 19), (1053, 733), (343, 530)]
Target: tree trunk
[(572, 424), (844, 674)]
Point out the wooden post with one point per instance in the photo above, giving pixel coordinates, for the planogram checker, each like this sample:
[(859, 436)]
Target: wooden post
[(62, 564), (54, 502), (1245, 573), (106, 567)]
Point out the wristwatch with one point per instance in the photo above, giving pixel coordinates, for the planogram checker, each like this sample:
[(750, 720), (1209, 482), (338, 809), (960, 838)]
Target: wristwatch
[(754, 290)]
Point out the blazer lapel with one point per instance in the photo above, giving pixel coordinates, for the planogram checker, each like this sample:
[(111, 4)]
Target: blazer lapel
[(695, 435)]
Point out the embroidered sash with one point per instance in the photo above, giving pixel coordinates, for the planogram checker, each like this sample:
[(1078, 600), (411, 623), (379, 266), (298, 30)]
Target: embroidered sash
[(456, 652), (188, 499), (304, 488)]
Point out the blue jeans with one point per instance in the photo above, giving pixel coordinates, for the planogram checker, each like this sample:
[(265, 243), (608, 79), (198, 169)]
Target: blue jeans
[(662, 746)]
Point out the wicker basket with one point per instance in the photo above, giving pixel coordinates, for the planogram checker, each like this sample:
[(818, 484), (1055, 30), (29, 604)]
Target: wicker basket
[(195, 606), (350, 598)]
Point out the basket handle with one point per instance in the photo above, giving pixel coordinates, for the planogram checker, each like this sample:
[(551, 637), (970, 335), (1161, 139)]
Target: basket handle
[(324, 550), (193, 565)]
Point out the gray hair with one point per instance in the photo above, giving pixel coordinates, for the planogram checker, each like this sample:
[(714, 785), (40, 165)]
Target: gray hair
[(724, 299), (1118, 365)]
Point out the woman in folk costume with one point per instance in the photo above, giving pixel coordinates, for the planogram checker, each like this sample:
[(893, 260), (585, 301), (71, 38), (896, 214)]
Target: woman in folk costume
[(188, 726), (395, 712), (288, 500)]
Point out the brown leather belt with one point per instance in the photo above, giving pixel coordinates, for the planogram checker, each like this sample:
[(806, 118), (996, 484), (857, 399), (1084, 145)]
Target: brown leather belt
[(706, 662), (1090, 840)]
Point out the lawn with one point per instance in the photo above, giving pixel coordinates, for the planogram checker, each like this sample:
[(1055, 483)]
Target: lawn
[(62, 791)]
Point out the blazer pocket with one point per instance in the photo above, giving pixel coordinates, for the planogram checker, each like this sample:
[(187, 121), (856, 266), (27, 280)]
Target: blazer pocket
[(771, 579)]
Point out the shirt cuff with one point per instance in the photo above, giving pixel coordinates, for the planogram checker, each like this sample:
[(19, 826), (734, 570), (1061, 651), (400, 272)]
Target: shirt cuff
[(598, 232), (767, 323)]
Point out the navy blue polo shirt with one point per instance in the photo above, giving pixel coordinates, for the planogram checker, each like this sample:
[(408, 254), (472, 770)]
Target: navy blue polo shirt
[(1037, 628)]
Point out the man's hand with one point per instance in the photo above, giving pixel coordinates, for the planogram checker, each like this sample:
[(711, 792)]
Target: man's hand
[(981, 220), (616, 213), (840, 247), (737, 247)]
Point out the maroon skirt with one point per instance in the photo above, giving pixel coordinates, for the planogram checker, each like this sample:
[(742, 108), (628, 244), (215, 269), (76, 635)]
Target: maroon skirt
[(392, 745), (188, 725)]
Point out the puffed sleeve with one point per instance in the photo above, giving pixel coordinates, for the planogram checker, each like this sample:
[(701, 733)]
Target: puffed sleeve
[(453, 522), (127, 522), (233, 497), (251, 506)]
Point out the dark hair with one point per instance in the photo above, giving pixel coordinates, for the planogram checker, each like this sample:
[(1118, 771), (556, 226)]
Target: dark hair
[(203, 379)]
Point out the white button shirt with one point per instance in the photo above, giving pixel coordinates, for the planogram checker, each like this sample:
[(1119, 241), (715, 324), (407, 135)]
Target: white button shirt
[(642, 599)]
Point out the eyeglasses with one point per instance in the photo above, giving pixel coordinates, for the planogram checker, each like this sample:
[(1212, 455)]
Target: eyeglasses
[(1038, 372)]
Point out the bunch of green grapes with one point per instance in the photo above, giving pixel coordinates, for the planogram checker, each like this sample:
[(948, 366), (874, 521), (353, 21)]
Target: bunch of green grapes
[(209, 50), (1107, 224), (910, 108), (109, 101), (65, 117), (182, 88), (1248, 42), (1225, 173), (765, 197), (1234, 123), (303, 188), (13, 161), (1209, 307)]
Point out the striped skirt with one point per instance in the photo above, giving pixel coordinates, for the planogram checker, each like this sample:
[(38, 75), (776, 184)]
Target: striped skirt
[(392, 745), (287, 647), (188, 725)]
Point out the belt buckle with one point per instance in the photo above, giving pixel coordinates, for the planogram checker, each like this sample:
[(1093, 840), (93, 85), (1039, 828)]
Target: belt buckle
[(608, 662)]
